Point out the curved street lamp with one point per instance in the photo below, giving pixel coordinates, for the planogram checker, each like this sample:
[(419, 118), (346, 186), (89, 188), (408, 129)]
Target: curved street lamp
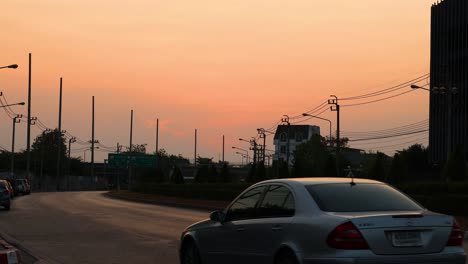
[(328, 120), (246, 153), (12, 66), (21, 103), (441, 91)]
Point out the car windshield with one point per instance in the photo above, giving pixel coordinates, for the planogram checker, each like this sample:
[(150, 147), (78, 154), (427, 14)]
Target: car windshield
[(362, 197)]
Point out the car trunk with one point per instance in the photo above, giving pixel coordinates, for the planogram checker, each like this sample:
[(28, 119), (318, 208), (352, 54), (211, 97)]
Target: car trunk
[(392, 233)]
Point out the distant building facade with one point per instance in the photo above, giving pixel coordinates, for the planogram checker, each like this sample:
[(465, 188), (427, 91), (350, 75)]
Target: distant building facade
[(297, 134), (448, 117)]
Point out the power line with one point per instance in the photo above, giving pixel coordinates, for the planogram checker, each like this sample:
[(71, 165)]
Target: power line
[(388, 90), (406, 128), (378, 100), (382, 137), (379, 141)]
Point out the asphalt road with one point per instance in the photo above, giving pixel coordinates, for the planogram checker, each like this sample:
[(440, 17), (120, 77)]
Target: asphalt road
[(86, 227)]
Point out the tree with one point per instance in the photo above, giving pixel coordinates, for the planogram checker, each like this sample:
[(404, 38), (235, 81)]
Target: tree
[(177, 176), (455, 168), (137, 149), (45, 147), (225, 175), (260, 174), (205, 172), (331, 141), (376, 169), (330, 167), (310, 158), (252, 173), (398, 170)]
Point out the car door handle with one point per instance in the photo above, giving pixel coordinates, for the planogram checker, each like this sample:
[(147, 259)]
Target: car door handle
[(240, 229), (276, 228)]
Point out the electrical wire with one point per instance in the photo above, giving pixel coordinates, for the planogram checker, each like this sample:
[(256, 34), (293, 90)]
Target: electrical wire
[(382, 137), (388, 90)]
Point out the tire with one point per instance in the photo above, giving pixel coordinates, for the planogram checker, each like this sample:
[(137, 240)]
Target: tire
[(7, 207), (286, 257), (190, 254)]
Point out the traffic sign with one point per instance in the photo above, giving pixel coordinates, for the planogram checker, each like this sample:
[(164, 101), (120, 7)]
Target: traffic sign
[(123, 160)]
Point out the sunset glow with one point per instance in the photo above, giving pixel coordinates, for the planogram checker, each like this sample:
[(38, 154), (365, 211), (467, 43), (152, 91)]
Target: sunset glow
[(221, 67)]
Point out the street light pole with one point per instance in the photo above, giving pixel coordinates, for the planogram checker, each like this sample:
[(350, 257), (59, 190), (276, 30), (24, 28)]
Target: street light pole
[(92, 140), (286, 120), (450, 93), (12, 66), (318, 117), (336, 108), (28, 132), (16, 119), (246, 153), (59, 138), (21, 103)]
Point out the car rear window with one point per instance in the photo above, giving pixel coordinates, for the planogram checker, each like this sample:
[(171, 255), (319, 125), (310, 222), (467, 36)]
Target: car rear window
[(362, 197)]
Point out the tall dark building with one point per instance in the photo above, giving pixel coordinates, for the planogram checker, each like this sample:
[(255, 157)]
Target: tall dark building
[(448, 118)]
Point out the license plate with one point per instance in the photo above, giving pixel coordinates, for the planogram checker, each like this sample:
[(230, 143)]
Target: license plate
[(407, 239)]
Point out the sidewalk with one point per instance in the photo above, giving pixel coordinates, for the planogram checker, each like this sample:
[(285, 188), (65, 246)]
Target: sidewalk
[(209, 205)]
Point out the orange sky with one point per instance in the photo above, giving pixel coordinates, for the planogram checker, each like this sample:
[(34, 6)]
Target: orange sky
[(223, 67)]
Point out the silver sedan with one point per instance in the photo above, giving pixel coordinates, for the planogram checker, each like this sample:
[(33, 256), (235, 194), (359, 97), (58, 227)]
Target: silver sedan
[(323, 220)]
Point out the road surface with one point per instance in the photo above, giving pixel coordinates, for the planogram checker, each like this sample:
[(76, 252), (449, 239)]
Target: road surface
[(86, 227)]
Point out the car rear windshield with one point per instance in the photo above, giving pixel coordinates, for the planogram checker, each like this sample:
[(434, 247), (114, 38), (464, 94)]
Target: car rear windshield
[(362, 197)]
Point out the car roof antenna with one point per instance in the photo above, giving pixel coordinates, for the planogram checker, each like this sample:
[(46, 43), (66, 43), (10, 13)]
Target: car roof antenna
[(351, 175)]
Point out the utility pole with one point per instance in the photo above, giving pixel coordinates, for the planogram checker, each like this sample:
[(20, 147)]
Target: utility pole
[(71, 140), (223, 148), (130, 168), (59, 138), (253, 142), (286, 120), (16, 119), (92, 142), (131, 130), (28, 133), (335, 107), (42, 153), (157, 137), (262, 134), (195, 156)]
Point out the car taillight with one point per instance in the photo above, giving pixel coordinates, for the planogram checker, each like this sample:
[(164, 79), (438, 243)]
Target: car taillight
[(456, 238), (347, 236)]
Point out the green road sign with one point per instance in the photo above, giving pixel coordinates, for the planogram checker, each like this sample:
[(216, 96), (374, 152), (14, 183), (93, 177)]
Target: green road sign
[(135, 160)]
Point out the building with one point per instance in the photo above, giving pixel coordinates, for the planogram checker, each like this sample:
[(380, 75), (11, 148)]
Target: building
[(297, 134), (448, 117)]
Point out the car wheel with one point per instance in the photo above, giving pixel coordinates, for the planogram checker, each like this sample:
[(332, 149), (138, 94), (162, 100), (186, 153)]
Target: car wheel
[(286, 257), (7, 207), (190, 254)]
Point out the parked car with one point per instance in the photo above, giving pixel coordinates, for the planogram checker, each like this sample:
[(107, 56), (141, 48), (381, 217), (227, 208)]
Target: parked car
[(323, 220), (5, 195), (22, 186), (9, 187), (13, 185)]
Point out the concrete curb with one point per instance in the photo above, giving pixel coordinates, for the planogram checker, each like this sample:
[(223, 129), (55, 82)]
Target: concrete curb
[(172, 204), (8, 253), (27, 256)]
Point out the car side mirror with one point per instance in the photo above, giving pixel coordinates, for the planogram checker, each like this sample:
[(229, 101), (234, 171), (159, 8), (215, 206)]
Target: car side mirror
[(217, 216)]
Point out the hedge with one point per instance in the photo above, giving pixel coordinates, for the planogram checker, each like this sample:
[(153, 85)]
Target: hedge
[(209, 191), (434, 188), (448, 198)]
